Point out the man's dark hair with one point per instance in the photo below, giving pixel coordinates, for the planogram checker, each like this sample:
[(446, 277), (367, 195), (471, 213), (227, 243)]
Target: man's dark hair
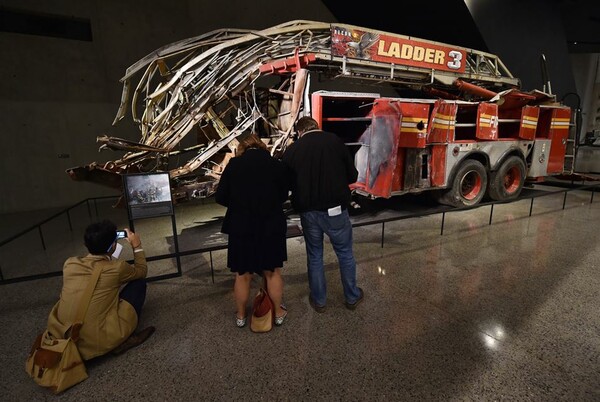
[(100, 236), (305, 124)]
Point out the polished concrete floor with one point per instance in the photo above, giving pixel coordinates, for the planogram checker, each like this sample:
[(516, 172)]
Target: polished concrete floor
[(483, 312)]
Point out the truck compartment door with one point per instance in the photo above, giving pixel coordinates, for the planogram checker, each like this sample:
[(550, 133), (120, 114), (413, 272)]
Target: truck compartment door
[(559, 133), (487, 122), (376, 158), (442, 123), (413, 127), (529, 120)]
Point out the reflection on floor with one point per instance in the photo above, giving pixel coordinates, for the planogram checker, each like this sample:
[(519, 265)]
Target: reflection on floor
[(506, 311)]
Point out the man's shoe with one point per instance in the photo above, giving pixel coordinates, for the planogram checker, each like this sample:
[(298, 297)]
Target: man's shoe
[(134, 340), (352, 306), (318, 309)]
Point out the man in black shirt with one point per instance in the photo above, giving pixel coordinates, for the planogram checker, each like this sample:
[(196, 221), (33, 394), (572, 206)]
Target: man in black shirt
[(322, 169)]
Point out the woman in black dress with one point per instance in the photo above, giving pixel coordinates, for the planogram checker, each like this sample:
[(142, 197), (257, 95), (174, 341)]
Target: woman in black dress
[(253, 187)]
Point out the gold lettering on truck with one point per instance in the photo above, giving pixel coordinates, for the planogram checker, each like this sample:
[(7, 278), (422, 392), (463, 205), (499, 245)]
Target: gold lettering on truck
[(401, 50), (407, 51)]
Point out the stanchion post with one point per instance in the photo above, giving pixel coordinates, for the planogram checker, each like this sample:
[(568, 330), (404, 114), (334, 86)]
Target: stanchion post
[(42, 237), (443, 218), (212, 271), (531, 207)]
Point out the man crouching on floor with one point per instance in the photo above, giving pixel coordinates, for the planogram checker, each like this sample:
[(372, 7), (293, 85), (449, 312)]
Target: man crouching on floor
[(113, 313)]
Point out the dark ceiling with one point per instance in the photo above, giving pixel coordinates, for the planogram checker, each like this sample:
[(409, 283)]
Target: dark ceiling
[(581, 22), (421, 19), (450, 21)]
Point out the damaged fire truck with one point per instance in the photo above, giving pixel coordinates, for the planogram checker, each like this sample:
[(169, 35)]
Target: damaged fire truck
[(434, 117)]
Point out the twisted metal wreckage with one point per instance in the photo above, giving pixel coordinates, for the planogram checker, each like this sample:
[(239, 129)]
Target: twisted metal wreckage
[(230, 81)]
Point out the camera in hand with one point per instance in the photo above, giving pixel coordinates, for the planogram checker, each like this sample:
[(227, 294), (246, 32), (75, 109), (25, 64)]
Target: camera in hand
[(121, 234)]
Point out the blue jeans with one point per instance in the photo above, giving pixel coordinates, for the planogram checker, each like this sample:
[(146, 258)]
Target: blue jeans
[(339, 230)]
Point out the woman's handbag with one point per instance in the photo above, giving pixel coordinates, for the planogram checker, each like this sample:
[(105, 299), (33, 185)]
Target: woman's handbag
[(55, 363), (262, 312)]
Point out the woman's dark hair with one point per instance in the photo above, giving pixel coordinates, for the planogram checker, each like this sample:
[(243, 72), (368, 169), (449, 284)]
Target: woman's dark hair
[(248, 142), (100, 236)]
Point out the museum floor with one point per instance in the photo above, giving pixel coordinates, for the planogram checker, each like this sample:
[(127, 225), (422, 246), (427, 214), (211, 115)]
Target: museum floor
[(482, 312)]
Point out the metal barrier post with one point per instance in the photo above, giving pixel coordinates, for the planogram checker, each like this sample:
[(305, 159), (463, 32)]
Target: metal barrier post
[(69, 219), (212, 271), (443, 218), (42, 237), (531, 207), (176, 244)]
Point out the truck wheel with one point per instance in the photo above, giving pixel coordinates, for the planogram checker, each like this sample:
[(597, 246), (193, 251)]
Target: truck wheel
[(468, 186), (506, 183)]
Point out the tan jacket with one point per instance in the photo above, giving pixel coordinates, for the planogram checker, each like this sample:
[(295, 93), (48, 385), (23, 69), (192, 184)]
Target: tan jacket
[(109, 320)]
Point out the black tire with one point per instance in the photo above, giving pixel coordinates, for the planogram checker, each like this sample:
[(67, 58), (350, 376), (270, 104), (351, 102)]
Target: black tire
[(468, 185), (507, 182)]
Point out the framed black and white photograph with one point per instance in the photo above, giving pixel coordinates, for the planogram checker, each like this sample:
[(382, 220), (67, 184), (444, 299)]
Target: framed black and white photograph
[(148, 194)]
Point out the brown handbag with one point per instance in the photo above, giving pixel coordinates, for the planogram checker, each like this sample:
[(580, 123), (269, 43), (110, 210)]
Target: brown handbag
[(55, 363), (263, 312)]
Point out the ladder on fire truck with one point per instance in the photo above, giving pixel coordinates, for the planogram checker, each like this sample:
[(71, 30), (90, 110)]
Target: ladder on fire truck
[(346, 51), (571, 151)]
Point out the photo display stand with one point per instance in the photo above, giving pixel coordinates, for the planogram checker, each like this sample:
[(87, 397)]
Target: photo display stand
[(148, 195)]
